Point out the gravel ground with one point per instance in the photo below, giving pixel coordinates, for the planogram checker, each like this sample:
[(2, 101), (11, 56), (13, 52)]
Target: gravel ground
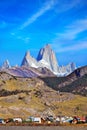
[(42, 128)]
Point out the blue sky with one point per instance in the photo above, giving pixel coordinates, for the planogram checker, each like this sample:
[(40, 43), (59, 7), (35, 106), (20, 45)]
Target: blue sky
[(31, 24)]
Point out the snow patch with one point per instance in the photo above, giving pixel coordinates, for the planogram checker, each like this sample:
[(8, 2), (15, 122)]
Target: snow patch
[(33, 65)]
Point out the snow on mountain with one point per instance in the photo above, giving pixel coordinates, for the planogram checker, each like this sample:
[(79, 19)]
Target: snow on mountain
[(65, 70), (29, 61), (47, 58)]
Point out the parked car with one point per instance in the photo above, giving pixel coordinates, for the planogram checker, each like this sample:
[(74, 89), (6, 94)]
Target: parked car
[(8, 120), (76, 119), (50, 118), (2, 121)]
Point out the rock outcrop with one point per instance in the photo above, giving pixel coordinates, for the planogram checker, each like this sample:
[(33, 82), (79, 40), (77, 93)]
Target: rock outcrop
[(29, 61), (47, 57), (6, 65)]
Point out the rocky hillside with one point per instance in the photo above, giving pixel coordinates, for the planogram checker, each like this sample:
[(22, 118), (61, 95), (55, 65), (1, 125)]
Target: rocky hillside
[(78, 86), (27, 72), (75, 83)]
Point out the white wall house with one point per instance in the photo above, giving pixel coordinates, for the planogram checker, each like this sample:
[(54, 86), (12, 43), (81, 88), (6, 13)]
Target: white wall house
[(37, 119), (17, 120)]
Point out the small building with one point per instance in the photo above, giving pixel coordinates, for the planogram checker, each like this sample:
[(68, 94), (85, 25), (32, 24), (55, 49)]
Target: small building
[(58, 119), (37, 119), (34, 119), (18, 120), (62, 119)]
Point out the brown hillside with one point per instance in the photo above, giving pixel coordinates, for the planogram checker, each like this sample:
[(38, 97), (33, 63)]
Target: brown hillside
[(22, 97)]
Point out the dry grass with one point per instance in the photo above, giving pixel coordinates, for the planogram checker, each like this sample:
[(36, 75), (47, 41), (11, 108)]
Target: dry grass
[(77, 106), (24, 104)]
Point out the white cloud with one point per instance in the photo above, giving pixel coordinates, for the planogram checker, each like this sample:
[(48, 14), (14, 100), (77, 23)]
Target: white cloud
[(22, 38), (47, 6), (25, 39), (66, 41), (71, 31), (82, 45), (65, 5)]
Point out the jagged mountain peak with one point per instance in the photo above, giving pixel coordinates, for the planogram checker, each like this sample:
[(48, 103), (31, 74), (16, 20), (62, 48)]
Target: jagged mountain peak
[(27, 54), (44, 52), (47, 58), (29, 61), (48, 46), (73, 66), (6, 64), (47, 55)]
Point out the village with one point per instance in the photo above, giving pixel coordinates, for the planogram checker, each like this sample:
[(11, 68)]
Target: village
[(49, 120)]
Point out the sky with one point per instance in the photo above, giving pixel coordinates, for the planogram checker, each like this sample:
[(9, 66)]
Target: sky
[(31, 24)]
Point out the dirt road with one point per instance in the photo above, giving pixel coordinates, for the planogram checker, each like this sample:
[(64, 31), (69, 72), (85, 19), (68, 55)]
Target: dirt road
[(42, 128)]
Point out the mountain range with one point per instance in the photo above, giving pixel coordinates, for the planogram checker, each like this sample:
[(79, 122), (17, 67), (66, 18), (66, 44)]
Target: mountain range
[(41, 87), (45, 61)]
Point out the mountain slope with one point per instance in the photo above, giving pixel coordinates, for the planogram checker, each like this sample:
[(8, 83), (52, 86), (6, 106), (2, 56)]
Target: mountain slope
[(28, 72), (78, 86), (24, 97), (75, 82)]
